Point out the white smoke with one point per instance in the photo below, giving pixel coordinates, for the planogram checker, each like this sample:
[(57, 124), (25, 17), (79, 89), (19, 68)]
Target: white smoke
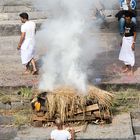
[(70, 48)]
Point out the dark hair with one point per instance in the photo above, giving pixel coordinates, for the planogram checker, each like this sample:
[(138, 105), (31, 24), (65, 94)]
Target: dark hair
[(128, 14), (24, 15)]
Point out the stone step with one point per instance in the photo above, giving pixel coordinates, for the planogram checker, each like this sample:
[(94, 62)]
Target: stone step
[(16, 2), (13, 9), (12, 27), (137, 129), (136, 122), (8, 133), (27, 5), (110, 24), (8, 44), (111, 21), (15, 16), (137, 137)]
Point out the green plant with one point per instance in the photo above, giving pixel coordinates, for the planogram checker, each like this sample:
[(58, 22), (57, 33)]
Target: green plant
[(125, 100), (26, 92), (22, 117)]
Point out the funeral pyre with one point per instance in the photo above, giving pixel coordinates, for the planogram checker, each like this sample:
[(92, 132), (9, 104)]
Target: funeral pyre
[(71, 106)]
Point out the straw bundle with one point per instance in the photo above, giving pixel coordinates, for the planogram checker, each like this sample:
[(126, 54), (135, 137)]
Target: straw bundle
[(64, 101), (51, 104), (104, 98)]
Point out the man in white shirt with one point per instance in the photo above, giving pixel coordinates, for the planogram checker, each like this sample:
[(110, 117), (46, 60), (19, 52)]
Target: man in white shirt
[(60, 133), (27, 43)]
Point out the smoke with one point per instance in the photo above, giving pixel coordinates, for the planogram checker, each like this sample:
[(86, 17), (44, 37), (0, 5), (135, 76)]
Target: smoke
[(109, 4), (70, 47)]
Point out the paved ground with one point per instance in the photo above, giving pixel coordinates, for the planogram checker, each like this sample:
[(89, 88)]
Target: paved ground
[(120, 129), (106, 67)]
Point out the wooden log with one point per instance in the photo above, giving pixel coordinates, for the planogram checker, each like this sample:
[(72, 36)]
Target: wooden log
[(97, 114), (36, 118), (40, 114), (88, 114), (107, 117), (75, 119), (93, 107), (77, 129), (107, 114), (37, 124), (85, 127), (81, 118)]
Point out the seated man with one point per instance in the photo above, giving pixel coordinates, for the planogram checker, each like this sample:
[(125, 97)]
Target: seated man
[(60, 133), (126, 5)]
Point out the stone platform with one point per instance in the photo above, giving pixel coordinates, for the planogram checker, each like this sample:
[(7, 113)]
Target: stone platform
[(120, 129)]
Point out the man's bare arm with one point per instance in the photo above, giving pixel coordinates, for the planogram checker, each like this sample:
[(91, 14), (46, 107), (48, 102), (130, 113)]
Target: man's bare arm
[(22, 37), (134, 41), (135, 34), (72, 134)]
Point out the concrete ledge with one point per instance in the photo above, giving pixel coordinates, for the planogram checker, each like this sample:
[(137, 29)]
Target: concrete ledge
[(120, 129), (7, 133), (11, 28), (136, 122), (137, 137), (13, 9), (136, 129), (16, 2), (5, 120), (15, 16)]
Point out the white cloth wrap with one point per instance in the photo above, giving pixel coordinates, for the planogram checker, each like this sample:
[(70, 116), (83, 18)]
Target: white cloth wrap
[(126, 53), (27, 50)]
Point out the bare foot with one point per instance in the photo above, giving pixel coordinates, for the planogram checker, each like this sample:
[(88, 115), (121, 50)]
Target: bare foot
[(35, 72), (125, 70), (27, 72), (130, 73)]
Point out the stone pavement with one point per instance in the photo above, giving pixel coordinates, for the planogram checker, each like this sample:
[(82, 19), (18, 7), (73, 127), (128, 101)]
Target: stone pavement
[(120, 129), (108, 68)]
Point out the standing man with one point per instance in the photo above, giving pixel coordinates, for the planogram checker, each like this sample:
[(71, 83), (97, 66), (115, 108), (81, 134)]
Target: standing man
[(60, 133), (27, 43), (128, 44)]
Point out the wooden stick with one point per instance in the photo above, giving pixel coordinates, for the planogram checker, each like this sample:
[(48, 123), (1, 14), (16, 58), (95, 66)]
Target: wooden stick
[(93, 107)]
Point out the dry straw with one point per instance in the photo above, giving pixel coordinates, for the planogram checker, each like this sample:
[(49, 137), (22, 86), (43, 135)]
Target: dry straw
[(63, 102)]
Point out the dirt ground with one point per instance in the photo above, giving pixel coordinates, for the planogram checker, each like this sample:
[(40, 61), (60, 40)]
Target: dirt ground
[(105, 67)]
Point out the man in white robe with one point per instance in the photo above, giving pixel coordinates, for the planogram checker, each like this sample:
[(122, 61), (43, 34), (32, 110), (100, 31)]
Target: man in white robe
[(27, 43), (128, 44)]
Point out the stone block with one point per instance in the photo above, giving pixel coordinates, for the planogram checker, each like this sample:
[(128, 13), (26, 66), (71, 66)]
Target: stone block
[(15, 16), (12, 28), (6, 120), (7, 133)]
